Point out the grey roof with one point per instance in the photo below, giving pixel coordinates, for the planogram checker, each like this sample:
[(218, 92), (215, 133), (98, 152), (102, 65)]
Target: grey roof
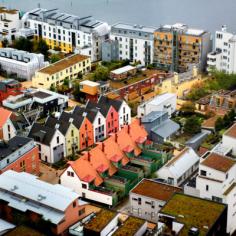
[(24, 192), (41, 95), (53, 122), (89, 113), (41, 133), (152, 116), (104, 101), (166, 129), (7, 148), (4, 226), (104, 109), (134, 27)]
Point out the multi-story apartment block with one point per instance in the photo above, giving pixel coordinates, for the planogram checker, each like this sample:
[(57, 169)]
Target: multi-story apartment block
[(9, 23), (55, 74), (9, 87), (136, 42), (216, 181), (19, 154), (223, 56), (68, 32), (7, 128), (38, 203), (178, 46), (20, 63)]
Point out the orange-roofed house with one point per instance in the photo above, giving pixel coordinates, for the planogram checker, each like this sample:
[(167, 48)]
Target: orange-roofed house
[(85, 180), (7, 129)]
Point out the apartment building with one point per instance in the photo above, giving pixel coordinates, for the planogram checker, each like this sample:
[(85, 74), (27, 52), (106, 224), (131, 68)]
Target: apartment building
[(9, 23), (136, 42), (148, 197), (69, 68), (178, 46), (222, 57), (68, 32), (19, 154), (39, 203), (216, 181), (21, 64)]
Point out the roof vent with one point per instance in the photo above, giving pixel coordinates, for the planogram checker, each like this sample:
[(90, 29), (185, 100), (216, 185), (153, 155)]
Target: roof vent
[(181, 216), (14, 188), (41, 197), (84, 114), (71, 120), (193, 231), (57, 126)]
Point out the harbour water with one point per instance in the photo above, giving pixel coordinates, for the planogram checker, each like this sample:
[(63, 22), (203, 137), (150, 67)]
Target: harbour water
[(207, 14)]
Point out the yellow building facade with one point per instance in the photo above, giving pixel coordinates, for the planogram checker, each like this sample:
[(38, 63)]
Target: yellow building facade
[(69, 68), (72, 140)]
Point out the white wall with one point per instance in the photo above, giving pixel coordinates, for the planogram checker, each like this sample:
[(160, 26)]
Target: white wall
[(229, 142), (8, 134), (124, 117)]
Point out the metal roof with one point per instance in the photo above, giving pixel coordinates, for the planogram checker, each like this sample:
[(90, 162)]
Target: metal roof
[(46, 199)]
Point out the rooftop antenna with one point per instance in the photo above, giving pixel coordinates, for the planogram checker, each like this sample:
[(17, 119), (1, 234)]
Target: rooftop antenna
[(39, 5)]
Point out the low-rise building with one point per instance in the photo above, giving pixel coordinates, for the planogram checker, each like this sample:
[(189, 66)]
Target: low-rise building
[(21, 64), (38, 202), (7, 128), (123, 73), (229, 139), (159, 127), (9, 87), (9, 23), (50, 141), (66, 69), (216, 181), (165, 103), (186, 215), (180, 168), (148, 197), (19, 154)]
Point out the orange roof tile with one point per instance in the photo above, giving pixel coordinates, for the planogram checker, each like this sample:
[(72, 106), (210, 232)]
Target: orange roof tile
[(5, 115), (137, 131), (218, 162), (116, 158), (85, 171), (128, 149), (231, 131)]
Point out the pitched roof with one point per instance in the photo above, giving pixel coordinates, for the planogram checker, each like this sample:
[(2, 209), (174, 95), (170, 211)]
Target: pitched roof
[(85, 171), (77, 119), (89, 113), (104, 101), (42, 134), (104, 109), (179, 164), (218, 162), (152, 189), (231, 131), (5, 115), (137, 131)]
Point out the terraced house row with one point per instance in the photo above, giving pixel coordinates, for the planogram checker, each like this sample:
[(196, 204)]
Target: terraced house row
[(110, 170), (80, 128)]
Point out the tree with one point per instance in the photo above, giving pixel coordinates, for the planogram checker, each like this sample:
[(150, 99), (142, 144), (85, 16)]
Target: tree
[(101, 73), (23, 44), (192, 125), (188, 108), (219, 125), (5, 43), (54, 58), (40, 46)]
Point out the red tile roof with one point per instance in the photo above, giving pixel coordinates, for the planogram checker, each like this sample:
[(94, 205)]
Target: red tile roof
[(4, 116), (231, 131), (140, 140), (128, 149), (116, 158), (218, 162)]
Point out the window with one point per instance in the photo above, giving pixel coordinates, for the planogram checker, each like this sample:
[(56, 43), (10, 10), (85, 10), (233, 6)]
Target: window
[(217, 199), (99, 121), (139, 200), (84, 186), (58, 139), (9, 128), (207, 187), (74, 204), (81, 212), (203, 172), (72, 133), (227, 175)]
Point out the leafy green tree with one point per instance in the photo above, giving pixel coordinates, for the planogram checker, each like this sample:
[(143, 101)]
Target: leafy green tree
[(40, 46), (192, 125), (101, 73), (23, 44), (188, 108), (219, 125), (54, 58), (5, 43)]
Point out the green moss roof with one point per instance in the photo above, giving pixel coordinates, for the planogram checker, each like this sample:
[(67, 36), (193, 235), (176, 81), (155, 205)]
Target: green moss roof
[(98, 223), (24, 231), (196, 212), (130, 227)]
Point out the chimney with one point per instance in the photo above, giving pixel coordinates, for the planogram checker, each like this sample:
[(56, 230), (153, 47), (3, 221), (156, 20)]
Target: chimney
[(116, 137), (128, 129), (140, 121), (103, 146)]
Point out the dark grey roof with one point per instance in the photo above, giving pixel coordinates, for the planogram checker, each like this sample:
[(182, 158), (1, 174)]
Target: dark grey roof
[(62, 126), (104, 101), (6, 148), (152, 116), (104, 109), (89, 113), (41, 95), (77, 119), (5, 83), (41, 133)]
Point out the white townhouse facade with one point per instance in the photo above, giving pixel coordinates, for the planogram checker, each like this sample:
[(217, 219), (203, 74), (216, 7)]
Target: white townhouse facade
[(180, 168), (223, 58), (99, 127), (136, 42), (9, 23), (69, 33), (216, 181), (124, 114), (21, 63), (229, 139)]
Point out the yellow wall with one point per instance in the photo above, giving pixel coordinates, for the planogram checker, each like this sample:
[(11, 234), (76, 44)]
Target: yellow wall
[(70, 140), (43, 80), (91, 90)]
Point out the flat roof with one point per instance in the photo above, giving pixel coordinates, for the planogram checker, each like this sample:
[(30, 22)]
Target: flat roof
[(161, 98), (63, 64), (101, 220), (157, 190), (231, 131), (193, 212), (150, 117), (89, 83), (23, 231), (123, 70), (135, 27), (218, 162)]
